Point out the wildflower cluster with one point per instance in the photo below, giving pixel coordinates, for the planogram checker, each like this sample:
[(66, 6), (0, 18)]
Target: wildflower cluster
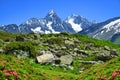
[(10, 72), (114, 74)]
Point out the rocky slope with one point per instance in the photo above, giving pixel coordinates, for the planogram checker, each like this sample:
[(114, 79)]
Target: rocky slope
[(35, 56)]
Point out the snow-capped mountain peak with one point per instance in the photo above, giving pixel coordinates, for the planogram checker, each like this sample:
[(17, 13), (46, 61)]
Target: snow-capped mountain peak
[(77, 22), (104, 30), (51, 13), (76, 27)]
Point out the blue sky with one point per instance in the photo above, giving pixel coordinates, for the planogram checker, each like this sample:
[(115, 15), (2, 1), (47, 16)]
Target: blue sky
[(18, 11)]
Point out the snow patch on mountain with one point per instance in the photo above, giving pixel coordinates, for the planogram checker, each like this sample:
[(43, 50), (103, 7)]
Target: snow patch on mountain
[(28, 22), (47, 32), (111, 25), (49, 25), (37, 30), (76, 27), (51, 13)]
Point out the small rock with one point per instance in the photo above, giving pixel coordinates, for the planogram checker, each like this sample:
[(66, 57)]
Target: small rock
[(1, 50), (114, 52), (83, 52), (63, 48), (104, 57), (95, 52), (70, 67), (21, 54), (107, 48), (66, 59), (76, 49), (89, 62), (89, 46)]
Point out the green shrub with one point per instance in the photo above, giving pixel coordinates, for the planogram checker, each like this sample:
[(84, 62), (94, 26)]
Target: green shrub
[(25, 46), (58, 41)]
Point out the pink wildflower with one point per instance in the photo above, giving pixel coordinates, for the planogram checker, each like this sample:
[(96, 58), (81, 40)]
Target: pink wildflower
[(114, 75), (7, 74), (3, 63), (15, 74), (104, 78), (5, 71)]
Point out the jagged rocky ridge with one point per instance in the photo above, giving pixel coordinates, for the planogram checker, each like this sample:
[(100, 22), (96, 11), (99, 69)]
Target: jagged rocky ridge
[(51, 23)]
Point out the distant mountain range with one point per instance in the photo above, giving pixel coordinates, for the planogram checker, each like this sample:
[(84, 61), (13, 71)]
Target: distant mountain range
[(52, 23)]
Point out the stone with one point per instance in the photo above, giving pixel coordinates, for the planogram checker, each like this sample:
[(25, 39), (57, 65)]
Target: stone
[(104, 57), (76, 49), (43, 52), (74, 54), (66, 59), (89, 62), (21, 54), (89, 46), (114, 52), (63, 48), (83, 52), (60, 53), (70, 67), (106, 48), (69, 42), (1, 50), (95, 52), (45, 58)]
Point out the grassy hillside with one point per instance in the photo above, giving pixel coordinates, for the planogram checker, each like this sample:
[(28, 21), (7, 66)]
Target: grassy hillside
[(27, 69), (109, 70), (89, 57)]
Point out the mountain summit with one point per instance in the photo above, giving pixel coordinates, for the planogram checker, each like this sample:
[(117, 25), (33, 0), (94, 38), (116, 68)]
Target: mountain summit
[(77, 22)]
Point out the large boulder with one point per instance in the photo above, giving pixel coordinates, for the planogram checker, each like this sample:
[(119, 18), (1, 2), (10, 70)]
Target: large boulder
[(45, 58), (66, 59), (104, 57)]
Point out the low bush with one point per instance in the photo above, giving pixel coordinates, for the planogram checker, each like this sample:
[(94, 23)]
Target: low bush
[(25, 46), (58, 41)]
